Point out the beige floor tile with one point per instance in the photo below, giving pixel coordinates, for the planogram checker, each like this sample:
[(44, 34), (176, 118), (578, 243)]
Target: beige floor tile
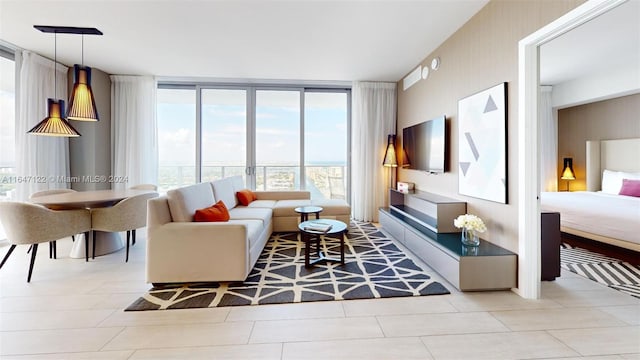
[(55, 341), (601, 341), (631, 356), (597, 357), (572, 318), (166, 317), (42, 320), (315, 330), (310, 310), (497, 300), (370, 349), (628, 313), (177, 335), (96, 355), (50, 303), (510, 345), (240, 352), (569, 283), (134, 286), (431, 324), (398, 306), (595, 298)]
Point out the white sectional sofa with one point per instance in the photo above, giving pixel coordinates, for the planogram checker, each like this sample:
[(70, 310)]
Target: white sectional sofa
[(181, 250)]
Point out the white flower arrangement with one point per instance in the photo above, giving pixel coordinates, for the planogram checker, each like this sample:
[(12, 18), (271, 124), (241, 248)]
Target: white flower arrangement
[(470, 222)]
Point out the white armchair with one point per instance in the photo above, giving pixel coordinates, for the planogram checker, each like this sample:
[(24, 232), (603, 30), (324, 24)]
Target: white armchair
[(30, 224), (127, 215)]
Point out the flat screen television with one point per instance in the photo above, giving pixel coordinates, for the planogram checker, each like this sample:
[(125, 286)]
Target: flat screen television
[(425, 146)]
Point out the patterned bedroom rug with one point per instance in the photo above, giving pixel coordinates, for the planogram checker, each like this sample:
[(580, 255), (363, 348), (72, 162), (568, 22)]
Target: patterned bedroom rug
[(608, 271), (374, 268)]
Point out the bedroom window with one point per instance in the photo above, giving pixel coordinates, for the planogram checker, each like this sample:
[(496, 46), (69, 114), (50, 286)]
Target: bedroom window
[(276, 137)]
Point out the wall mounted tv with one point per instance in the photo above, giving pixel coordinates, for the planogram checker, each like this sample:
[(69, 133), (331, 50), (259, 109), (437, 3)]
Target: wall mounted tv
[(425, 146)]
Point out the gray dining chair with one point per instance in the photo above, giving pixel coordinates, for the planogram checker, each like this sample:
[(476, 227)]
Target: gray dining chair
[(30, 224), (127, 215), (37, 194)]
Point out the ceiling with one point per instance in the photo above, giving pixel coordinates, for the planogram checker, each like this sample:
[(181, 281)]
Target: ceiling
[(608, 42), (308, 40)]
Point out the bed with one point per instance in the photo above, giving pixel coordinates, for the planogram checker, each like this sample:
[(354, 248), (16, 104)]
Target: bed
[(599, 213)]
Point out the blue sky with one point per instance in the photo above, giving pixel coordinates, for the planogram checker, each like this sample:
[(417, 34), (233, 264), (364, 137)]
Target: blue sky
[(277, 135)]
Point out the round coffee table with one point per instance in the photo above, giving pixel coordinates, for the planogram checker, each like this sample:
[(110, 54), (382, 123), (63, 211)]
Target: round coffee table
[(304, 212), (310, 233)]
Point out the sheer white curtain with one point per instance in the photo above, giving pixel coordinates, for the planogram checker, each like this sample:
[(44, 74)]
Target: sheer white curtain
[(42, 162), (134, 130), (374, 117), (548, 141)]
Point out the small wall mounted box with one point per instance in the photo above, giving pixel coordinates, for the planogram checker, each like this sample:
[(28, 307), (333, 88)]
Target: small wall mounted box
[(405, 187)]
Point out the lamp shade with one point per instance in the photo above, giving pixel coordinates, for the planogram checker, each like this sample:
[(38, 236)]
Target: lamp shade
[(567, 172), (54, 124), (390, 159), (82, 104)]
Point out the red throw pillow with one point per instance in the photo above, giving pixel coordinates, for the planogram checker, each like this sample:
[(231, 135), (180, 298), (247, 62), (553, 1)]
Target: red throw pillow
[(630, 187), (217, 212), (246, 196)]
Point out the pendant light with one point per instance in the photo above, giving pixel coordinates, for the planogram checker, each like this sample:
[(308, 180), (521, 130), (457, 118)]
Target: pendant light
[(54, 124), (82, 104)]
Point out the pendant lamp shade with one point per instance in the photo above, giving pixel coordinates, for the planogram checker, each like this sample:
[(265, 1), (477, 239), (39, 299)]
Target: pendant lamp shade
[(54, 124), (390, 159), (82, 104)]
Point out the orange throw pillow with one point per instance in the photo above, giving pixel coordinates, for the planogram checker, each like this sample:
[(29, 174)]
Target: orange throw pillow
[(246, 196), (217, 212)]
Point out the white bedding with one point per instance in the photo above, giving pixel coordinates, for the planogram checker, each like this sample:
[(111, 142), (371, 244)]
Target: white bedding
[(612, 216)]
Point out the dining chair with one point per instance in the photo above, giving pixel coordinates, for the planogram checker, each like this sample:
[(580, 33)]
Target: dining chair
[(52, 244), (127, 215), (144, 187), (26, 223)]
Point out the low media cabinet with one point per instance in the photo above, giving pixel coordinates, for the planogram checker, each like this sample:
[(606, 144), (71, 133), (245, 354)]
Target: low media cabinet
[(423, 223)]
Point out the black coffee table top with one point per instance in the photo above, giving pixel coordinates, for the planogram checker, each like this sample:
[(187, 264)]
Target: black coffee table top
[(308, 209), (336, 226)]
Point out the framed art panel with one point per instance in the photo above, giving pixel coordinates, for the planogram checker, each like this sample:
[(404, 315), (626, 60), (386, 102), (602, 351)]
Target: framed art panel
[(482, 142)]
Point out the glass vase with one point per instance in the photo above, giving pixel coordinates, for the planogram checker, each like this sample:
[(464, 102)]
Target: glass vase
[(470, 237)]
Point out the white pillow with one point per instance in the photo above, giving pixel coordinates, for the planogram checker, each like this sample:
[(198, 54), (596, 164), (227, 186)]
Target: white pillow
[(612, 180)]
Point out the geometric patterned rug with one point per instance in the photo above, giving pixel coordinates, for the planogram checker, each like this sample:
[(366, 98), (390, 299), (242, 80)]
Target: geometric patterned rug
[(374, 268), (614, 273)]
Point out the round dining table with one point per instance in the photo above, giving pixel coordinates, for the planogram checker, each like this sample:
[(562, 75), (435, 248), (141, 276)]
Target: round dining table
[(107, 242)]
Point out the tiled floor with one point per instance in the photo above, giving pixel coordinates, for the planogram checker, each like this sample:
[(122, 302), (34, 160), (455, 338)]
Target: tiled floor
[(74, 310)]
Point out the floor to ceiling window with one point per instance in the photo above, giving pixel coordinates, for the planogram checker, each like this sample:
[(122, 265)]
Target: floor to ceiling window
[(277, 138), (7, 128)]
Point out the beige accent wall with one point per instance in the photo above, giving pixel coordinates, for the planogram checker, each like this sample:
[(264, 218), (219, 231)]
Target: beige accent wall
[(481, 54), (90, 154), (603, 120)]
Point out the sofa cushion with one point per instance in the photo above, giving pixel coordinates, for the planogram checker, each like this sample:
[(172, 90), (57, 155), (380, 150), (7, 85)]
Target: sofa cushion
[(247, 213), (245, 197), (263, 204), (184, 202), (332, 206), (237, 182), (254, 229), (285, 207), (223, 190), (215, 213)]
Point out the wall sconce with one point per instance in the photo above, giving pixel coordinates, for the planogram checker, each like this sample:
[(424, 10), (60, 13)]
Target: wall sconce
[(567, 172), (390, 159)]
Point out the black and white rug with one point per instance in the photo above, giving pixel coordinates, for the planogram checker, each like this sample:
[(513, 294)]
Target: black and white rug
[(611, 272), (374, 268)]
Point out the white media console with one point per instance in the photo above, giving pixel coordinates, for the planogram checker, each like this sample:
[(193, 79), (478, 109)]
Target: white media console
[(423, 222)]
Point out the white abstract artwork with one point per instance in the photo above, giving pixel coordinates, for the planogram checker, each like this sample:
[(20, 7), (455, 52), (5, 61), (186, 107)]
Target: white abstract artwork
[(482, 153)]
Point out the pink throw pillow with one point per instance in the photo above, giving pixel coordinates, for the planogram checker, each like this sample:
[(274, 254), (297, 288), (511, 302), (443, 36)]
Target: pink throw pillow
[(630, 187)]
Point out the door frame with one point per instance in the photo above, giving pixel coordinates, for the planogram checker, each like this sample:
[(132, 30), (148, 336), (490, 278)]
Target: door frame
[(529, 135)]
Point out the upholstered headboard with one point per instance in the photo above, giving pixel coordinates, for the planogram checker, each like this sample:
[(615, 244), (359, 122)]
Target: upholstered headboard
[(618, 155)]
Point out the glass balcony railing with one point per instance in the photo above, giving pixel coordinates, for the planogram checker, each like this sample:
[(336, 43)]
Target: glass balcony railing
[(324, 182)]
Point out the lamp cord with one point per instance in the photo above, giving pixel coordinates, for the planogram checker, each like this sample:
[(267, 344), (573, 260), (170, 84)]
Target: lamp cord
[(55, 65)]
